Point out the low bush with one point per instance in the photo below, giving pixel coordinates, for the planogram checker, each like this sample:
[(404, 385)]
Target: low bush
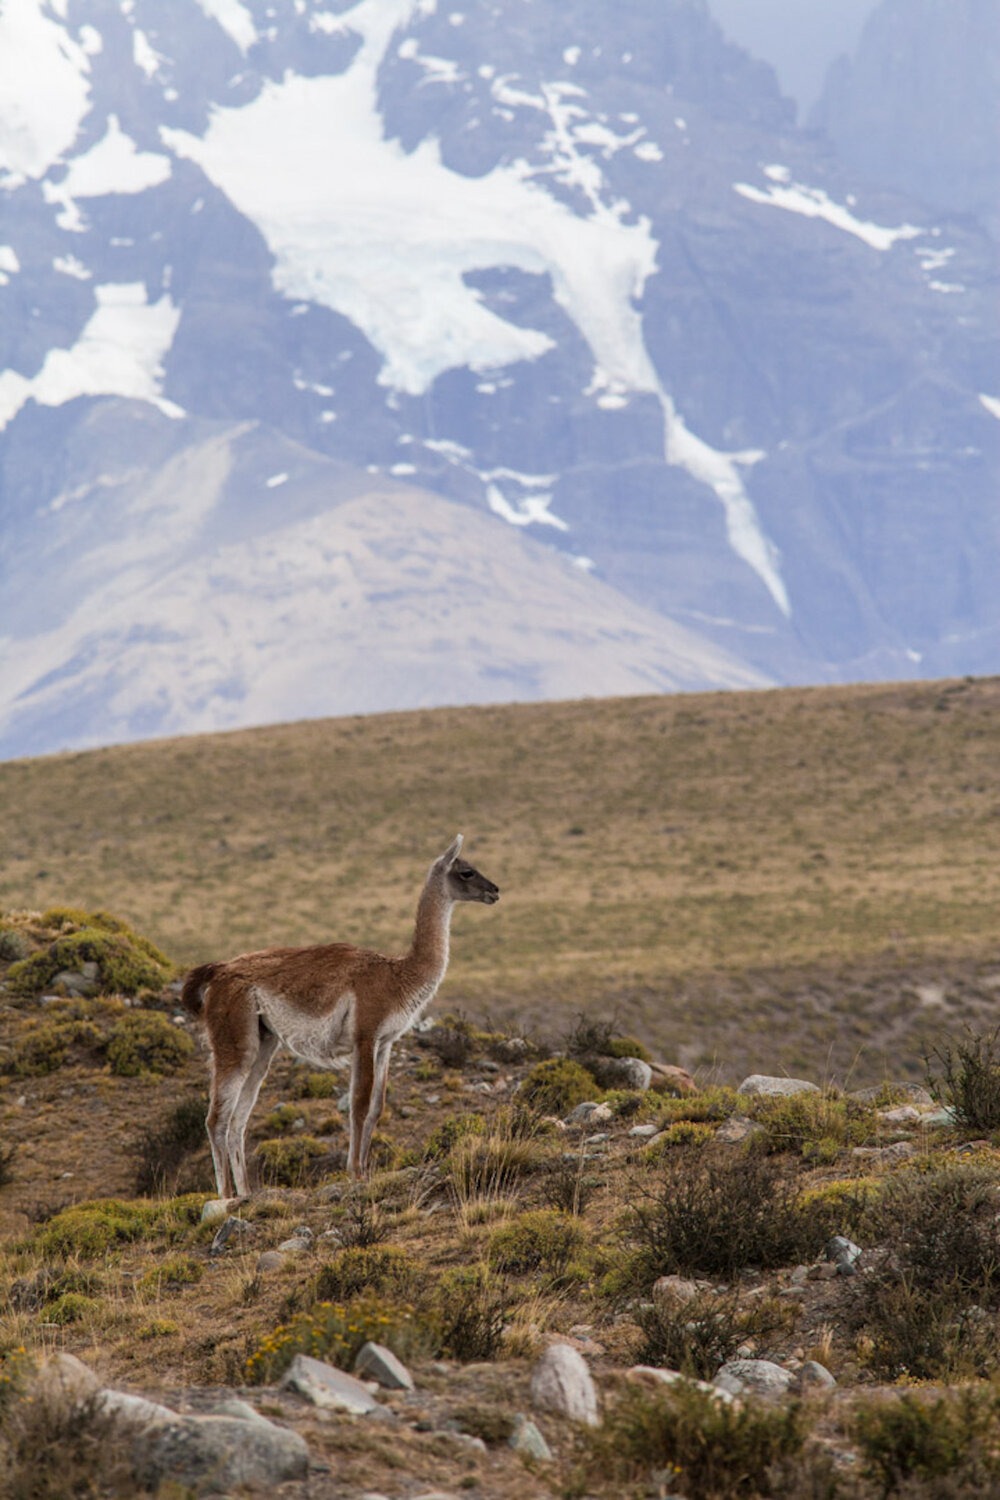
[(542, 1240), (717, 1450), (699, 1334), (471, 1308), (556, 1086), (14, 944), (917, 1436), (714, 1215), (969, 1079), (318, 1085), (47, 1046), (336, 1332), (52, 1448), (172, 1274), (815, 1126), (147, 1042), (126, 961), (92, 1229), (290, 1161), (681, 1133), (71, 1307), (385, 1269), (712, 1104), (165, 1146)]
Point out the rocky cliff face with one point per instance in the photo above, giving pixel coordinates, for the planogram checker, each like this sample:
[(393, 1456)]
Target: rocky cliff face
[(572, 270), (917, 108)]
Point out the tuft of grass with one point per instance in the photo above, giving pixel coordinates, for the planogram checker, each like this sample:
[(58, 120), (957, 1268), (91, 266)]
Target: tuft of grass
[(471, 1309), (92, 1229), (452, 1129), (815, 1126), (290, 1161), (918, 1436), (164, 1147), (385, 1269), (540, 1240), (52, 1448)]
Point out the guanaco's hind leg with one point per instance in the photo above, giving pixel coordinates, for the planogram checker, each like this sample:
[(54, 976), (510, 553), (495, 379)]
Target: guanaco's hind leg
[(241, 1053), (269, 1044), (376, 1104)]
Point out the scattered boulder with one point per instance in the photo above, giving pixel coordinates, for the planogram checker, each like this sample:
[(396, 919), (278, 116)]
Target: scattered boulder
[(378, 1363), (900, 1114), (326, 1386), (676, 1289), (561, 1382), (844, 1254), (527, 1439), (218, 1454), (215, 1210), (644, 1132), (761, 1084), (622, 1073), (913, 1092), (232, 1231), (737, 1129), (755, 1377), (589, 1113)]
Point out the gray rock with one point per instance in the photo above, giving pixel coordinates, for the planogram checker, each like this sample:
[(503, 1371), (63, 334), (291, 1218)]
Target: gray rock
[(763, 1084), (675, 1289), (652, 1377), (82, 982), (900, 1114), (737, 1129), (561, 1382), (623, 1073), (216, 1454), (912, 1092), (842, 1251), (644, 1132), (758, 1377), (813, 1377), (898, 1151), (232, 1232), (215, 1210), (527, 1439), (589, 1113), (270, 1260), (326, 1386), (296, 1244), (376, 1362)]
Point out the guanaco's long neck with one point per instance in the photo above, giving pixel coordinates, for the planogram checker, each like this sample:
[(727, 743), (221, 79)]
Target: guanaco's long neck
[(428, 953)]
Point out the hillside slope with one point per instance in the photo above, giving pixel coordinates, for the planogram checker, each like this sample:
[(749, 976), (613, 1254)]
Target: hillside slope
[(709, 865)]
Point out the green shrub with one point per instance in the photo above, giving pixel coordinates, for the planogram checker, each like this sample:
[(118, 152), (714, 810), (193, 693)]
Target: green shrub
[(14, 944), (171, 1274), (815, 1126), (454, 1128), (384, 1269), (45, 1048), (126, 961), (290, 1161), (916, 1436), (713, 1104), (970, 1079), (147, 1042), (541, 1240), (336, 1332), (94, 1228), (556, 1086), (681, 1133), (722, 1450), (283, 1117), (715, 1215), (318, 1086), (71, 1307)]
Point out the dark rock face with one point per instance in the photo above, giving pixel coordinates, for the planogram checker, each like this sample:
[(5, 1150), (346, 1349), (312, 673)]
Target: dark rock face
[(916, 108), (570, 265)]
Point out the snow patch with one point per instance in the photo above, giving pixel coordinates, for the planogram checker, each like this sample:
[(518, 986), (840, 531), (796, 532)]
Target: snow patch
[(235, 19), (119, 353), (814, 203), (45, 89)]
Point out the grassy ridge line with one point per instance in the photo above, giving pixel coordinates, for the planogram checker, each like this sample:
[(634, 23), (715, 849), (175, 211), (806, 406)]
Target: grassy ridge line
[(635, 840)]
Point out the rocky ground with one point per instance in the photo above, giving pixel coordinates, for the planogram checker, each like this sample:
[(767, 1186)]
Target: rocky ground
[(576, 1270)]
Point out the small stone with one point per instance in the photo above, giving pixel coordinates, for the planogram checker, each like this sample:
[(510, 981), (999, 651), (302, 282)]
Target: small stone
[(220, 1454), (943, 1116), (589, 1113), (623, 1073), (215, 1210), (598, 1139), (644, 1132), (233, 1229), (270, 1260), (674, 1289), (913, 1092), (763, 1084), (379, 1363), (901, 1114), (825, 1271), (840, 1248), (652, 1377), (799, 1276), (327, 1387), (527, 1439), (737, 1129), (898, 1151), (561, 1382), (759, 1377), (296, 1244)]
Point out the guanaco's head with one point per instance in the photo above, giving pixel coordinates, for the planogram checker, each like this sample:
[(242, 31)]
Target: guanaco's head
[(461, 881)]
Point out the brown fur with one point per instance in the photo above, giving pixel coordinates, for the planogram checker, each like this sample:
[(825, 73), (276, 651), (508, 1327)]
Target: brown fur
[(322, 1001)]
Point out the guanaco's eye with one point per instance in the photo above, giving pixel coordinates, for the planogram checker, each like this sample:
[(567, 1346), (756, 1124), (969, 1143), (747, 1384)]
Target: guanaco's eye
[(465, 874)]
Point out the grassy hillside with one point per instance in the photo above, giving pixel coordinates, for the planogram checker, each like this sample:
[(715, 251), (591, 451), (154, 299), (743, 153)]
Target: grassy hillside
[(766, 878)]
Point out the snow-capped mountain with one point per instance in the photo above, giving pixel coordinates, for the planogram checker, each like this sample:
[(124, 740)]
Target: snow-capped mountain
[(361, 356)]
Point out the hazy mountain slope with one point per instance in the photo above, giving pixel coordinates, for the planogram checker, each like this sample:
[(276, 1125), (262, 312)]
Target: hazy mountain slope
[(176, 595)]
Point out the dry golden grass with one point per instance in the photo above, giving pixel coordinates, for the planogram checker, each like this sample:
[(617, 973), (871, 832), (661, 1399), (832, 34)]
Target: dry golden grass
[(802, 854)]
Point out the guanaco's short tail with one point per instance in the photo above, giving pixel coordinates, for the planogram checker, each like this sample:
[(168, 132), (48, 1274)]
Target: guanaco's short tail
[(193, 993)]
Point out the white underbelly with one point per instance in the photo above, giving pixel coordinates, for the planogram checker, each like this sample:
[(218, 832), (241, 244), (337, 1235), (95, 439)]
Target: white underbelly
[(325, 1041)]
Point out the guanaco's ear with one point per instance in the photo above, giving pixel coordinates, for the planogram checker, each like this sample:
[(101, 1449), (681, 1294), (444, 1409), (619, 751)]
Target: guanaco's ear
[(453, 850)]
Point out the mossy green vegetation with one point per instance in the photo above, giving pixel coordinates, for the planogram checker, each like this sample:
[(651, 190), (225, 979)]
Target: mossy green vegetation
[(542, 1240), (147, 1042), (89, 1230), (336, 1332), (289, 1161), (127, 963), (555, 1086)]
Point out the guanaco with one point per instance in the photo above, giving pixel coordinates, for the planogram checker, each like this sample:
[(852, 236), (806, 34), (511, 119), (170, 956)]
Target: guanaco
[(322, 1002)]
